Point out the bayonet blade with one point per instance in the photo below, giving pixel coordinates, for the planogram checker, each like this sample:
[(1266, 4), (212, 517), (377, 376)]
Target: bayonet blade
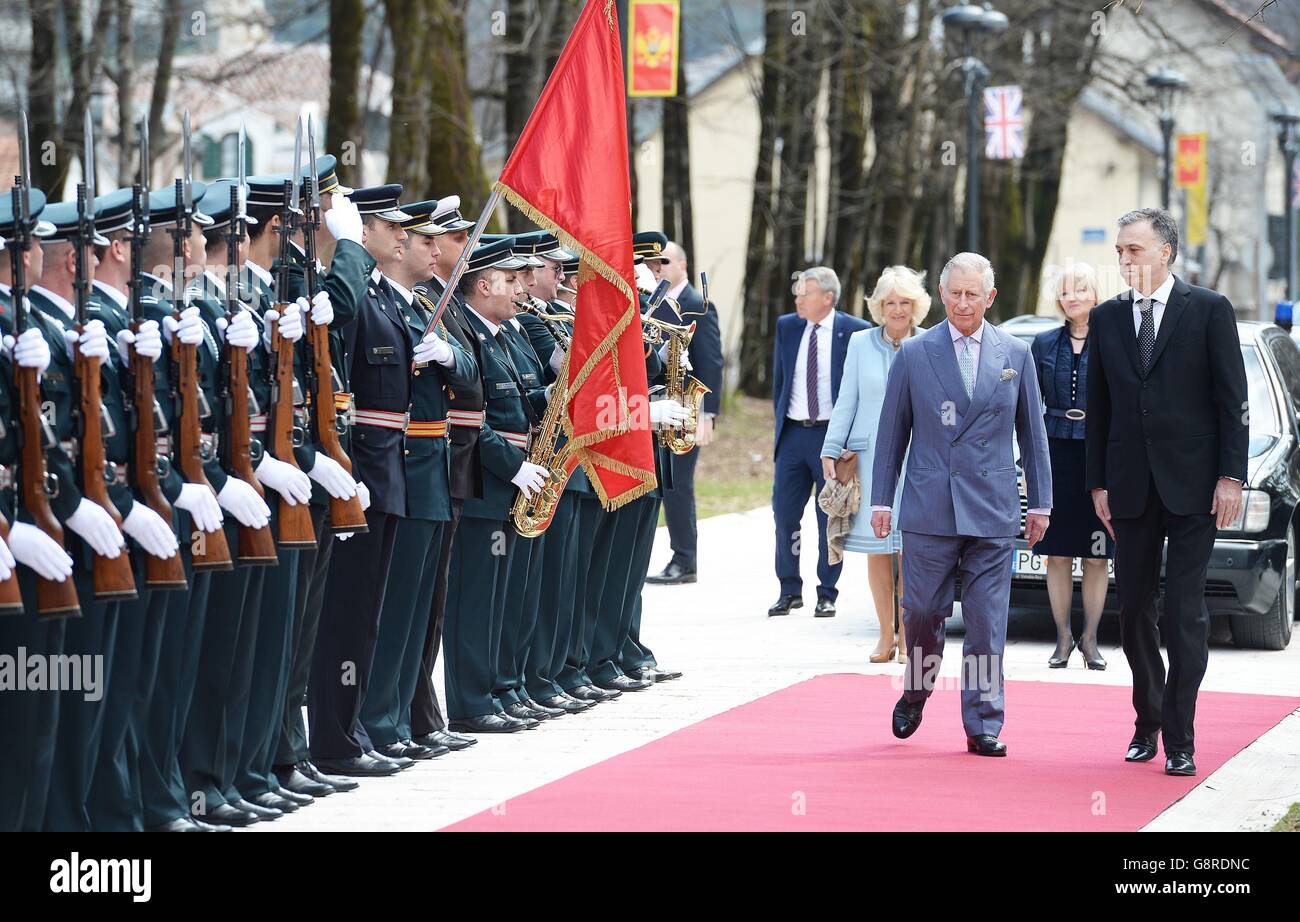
[(243, 173), (297, 165), (88, 159), (144, 169), (188, 175), (24, 171), (311, 159)]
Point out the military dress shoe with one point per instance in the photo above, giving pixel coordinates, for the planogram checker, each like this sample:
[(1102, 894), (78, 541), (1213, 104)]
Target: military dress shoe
[(653, 674), (442, 739), (265, 814), (592, 693), (825, 609), (785, 605), (671, 575), (521, 711), (567, 705), (208, 827), (1142, 749), (587, 704), (986, 744), (230, 815), (545, 709), (399, 761), (337, 782), (907, 717), (409, 751), (362, 766), (488, 723), (180, 824), (294, 782), (1179, 763), (412, 747), (624, 683), (302, 800), (270, 801)]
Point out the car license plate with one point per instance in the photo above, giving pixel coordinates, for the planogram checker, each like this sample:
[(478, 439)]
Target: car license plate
[(1027, 563)]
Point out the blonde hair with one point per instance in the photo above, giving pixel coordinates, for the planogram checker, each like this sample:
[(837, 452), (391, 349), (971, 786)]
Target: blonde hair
[(1075, 272), (904, 282)]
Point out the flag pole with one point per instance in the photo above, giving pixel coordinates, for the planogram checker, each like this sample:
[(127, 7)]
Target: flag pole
[(459, 269)]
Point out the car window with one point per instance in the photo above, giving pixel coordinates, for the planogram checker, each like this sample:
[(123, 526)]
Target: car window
[(1287, 355), (1265, 427)]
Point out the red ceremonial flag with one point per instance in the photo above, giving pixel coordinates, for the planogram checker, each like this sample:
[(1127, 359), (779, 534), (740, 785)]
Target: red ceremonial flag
[(569, 174)]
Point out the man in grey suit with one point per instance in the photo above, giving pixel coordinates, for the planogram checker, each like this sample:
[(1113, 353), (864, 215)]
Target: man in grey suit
[(957, 394)]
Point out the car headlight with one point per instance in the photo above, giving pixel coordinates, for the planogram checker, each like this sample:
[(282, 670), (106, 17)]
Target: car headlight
[(1255, 508)]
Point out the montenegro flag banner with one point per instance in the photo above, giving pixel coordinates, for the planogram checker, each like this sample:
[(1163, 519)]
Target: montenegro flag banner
[(569, 174), (654, 27)]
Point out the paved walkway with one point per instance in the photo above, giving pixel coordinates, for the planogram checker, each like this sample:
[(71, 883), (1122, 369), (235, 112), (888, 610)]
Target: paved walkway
[(717, 633)]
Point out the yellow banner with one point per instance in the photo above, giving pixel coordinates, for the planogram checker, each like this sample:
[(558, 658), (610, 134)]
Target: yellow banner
[(1190, 173)]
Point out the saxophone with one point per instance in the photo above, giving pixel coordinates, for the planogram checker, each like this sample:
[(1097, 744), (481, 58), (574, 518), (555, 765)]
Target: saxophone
[(686, 389), (532, 515)]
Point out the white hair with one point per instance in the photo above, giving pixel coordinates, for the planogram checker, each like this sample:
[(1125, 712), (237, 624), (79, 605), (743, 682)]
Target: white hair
[(826, 280), (904, 282), (972, 261)]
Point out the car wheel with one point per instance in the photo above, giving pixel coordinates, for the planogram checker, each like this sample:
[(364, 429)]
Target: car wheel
[(1271, 630)]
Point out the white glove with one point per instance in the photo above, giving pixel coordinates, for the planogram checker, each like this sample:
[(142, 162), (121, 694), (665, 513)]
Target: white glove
[(337, 482), (344, 535), (7, 562), (30, 351), (150, 531), (97, 528), (363, 494), (529, 478), (434, 349), (322, 309), (557, 360), (35, 549), (292, 484), (240, 332), (189, 328), (343, 221), (148, 342), (201, 503), (242, 501), (92, 340), (645, 279), (290, 324), (665, 413)]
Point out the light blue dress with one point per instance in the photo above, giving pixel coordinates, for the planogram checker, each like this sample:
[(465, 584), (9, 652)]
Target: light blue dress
[(854, 420)]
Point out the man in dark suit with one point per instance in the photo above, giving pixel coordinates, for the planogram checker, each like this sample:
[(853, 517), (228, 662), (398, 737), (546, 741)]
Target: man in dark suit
[(1167, 448), (806, 367), (705, 355)]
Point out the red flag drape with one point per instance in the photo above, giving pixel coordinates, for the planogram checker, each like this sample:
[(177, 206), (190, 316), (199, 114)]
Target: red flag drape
[(569, 174)]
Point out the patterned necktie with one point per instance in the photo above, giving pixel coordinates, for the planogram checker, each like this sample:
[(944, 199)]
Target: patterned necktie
[(814, 406), (967, 363), (1146, 333)]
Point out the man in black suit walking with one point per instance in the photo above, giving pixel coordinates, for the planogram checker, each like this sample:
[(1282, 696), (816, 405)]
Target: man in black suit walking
[(705, 354), (1167, 445)]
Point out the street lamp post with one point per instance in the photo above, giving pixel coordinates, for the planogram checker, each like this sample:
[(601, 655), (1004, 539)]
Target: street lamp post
[(1288, 140), (1167, 84), (972, 23)]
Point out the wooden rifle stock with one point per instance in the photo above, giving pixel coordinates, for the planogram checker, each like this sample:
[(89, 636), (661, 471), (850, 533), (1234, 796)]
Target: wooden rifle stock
[(159, 572), (210, 550), (294, 522), (11, 597), (345, 514), (256, 545)]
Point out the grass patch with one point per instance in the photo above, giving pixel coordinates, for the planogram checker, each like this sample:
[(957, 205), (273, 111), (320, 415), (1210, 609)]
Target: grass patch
[(734, 472), (1290, 822)]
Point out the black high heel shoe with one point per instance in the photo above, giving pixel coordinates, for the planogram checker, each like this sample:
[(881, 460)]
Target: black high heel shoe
[(1060, 662), (1091, 662)]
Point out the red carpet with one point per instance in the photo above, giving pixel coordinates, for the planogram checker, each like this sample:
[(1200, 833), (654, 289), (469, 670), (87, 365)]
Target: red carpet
[(820, 756)]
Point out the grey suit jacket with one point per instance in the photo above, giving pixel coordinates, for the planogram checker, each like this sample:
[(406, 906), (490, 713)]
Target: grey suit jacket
[(961, 473)]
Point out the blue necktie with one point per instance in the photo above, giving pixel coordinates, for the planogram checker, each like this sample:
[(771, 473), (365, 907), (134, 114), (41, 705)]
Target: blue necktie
[(814, 407), (967, 363)]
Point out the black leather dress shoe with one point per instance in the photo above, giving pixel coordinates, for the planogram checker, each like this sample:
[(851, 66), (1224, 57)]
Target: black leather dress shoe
[(624, 683), (654, 674), (230, 815), (268, 801), (520, 711), (825, 609), (180, 824), (488, 723), (265, 814), (1179, 763), (362, 766), (545, 708), (337, 782), (208, 827), (399, 761), (784, 605), (986, 744), (567, 705), (442, 739), (302, 800), (592, 693), (671, 575), (1142, 749), (907, 717), (420, 751), (587, 704), (402, 750)]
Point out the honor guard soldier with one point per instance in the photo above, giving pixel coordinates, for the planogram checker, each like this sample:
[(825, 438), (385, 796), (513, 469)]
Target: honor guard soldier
[(441, 365), (465, 407), (379, 349), (486, 545)]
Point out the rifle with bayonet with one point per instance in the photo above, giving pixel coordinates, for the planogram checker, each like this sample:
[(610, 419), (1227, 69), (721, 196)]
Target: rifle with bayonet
[(256, 545), (346, 515), (35, 483), (111, 576), (293, 521), (210, 551), (146, 421)]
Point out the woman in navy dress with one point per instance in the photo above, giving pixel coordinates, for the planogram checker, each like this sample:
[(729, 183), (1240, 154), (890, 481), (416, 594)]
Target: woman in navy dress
[(1061, 355)]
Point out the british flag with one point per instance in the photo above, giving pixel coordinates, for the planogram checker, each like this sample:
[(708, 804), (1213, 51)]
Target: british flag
[(1004, 123)]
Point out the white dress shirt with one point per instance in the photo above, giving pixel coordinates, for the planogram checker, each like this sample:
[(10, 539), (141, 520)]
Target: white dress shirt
[(260, 273), (676, 291), (492, 327), (798, 408), (111, 291), (61, 302), (1159, 297)]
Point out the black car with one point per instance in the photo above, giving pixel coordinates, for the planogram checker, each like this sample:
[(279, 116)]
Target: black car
[(1252, 576)]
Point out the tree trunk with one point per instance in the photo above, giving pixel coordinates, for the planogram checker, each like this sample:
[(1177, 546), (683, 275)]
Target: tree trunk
[(172, 13), (454, 164), (677, 221), (126, 141), (43, 98), (343, 125), (409, 126)]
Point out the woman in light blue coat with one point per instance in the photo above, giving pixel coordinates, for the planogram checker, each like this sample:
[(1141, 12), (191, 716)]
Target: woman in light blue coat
[(897, 305)]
